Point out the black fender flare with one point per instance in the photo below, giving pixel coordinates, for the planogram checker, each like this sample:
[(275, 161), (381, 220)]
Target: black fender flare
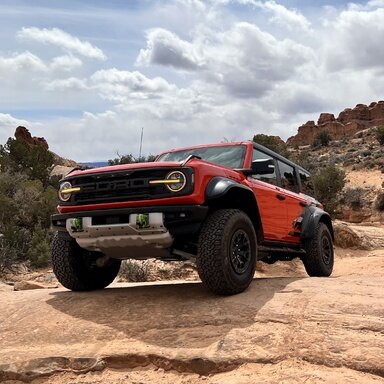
[(312, 216), (219, 186), (228, 193)]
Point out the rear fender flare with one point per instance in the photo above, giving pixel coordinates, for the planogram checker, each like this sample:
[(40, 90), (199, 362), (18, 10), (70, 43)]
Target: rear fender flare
[(311, 218)]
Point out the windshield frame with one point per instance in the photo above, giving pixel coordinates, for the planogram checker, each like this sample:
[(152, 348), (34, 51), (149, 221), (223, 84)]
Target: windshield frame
[(198, 151)]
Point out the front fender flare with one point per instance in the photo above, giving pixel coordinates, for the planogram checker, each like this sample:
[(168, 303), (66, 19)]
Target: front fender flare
[(219, 186)]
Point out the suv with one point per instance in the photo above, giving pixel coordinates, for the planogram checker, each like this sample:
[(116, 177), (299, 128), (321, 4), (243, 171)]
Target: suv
[(223, 205)]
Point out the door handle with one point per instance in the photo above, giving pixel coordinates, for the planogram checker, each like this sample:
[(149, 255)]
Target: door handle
[(280, 196)]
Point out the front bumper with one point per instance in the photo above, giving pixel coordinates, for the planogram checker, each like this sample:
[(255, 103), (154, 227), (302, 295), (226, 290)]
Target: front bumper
[(114, 232)]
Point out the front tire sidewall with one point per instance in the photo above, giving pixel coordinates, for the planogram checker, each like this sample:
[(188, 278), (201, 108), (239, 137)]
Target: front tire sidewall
[(71, 266), (214, 264)]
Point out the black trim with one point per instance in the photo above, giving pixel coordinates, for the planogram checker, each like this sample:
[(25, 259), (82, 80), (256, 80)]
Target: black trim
[(178, 219), (219, 186), (125, 185), (311, 218)]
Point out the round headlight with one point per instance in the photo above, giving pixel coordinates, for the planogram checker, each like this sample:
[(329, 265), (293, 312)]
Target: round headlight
[(63, 187), (179, 181)]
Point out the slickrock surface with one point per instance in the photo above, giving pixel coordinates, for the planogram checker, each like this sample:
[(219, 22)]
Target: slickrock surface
[(282, 329)]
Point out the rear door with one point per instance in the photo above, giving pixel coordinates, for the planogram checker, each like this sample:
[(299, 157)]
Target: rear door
[(295, 203)]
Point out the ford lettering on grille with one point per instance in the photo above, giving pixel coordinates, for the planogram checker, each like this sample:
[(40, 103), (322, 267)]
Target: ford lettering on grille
[(103, 186)]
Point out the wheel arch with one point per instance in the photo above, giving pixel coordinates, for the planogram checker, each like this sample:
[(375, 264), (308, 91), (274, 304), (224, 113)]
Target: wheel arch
[(311, 218), (224, 193)]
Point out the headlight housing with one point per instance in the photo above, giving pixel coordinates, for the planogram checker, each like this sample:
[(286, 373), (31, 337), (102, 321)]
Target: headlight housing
[(176, 176), (64, 194)]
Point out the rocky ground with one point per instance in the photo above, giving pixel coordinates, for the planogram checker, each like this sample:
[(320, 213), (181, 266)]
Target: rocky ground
[(286, 328)]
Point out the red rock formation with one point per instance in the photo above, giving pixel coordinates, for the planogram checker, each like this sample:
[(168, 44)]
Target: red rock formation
[(349, 121), (326, 118), (23, 133)]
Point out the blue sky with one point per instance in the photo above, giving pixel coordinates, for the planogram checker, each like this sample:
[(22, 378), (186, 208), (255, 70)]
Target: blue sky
[(89, 75)]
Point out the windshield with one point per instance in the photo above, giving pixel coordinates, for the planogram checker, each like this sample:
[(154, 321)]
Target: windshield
[(231, 156)]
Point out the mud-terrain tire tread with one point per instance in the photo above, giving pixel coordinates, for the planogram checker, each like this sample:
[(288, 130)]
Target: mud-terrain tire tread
[(313, 261), (213, 264), (71, 270)]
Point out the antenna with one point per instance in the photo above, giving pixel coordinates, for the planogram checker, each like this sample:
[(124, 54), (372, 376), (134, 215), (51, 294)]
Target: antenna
[(141, 141)]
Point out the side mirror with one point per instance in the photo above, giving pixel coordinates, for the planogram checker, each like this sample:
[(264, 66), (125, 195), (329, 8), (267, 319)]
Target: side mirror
[(263, 167)]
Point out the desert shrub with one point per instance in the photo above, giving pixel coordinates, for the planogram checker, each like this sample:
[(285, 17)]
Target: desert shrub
[(354, 197), (329, 182), (8, 255), (379, 202), (134, 270), (130, 159), (322, 139), (379, 134), (39, 252)]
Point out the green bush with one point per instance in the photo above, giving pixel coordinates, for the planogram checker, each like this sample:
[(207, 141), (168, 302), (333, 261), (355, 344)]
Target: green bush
[(329, 182), (322, 139), (354, 197), (39, 252), (379, 202), (379, 134)]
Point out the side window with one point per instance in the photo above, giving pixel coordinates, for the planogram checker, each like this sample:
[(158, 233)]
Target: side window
[(307, 186), (270, 178), (287, 175)]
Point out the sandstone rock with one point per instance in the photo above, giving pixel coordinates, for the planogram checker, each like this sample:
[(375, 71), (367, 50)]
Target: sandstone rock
[(315, 327), (346, 237), (60, 170), (27, 285), (23, 133), (349, 122), (325, 118)]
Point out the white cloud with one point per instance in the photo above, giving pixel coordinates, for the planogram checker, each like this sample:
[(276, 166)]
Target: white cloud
[(65, 63), (71, 83), (289, 18), (63, 40), (210, 69), (25, 61), (359, 42), (114, 84), (8, 121), (165, 48)]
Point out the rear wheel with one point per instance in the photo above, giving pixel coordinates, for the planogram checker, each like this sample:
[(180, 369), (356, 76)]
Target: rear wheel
[(319, 257), (76, 268), (226, 258)]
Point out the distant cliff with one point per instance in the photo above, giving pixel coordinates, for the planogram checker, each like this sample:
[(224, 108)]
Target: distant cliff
[(349, 121)]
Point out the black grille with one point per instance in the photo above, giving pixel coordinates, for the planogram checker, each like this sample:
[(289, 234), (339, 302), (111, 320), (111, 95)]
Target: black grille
[(123, 186)]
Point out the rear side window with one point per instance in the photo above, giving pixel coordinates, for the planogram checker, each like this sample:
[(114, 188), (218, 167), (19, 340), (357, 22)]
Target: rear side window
[(287, 175), (270, 178), (306, 181)]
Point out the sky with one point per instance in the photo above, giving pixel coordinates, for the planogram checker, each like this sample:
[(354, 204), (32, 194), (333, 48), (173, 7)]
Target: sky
[(90, 75)]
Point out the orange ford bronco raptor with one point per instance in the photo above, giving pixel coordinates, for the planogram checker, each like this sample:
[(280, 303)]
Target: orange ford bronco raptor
[(222, 205)]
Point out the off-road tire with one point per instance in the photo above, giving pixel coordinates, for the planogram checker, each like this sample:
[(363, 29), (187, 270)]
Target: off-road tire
[(75, 267), (216, 268), (319, 257)]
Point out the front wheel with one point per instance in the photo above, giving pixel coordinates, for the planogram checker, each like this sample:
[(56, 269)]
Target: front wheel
[(319, 257), (226, 258), (76, 268)]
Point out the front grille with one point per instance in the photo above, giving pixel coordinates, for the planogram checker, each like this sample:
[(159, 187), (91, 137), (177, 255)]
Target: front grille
[(123, 186)]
